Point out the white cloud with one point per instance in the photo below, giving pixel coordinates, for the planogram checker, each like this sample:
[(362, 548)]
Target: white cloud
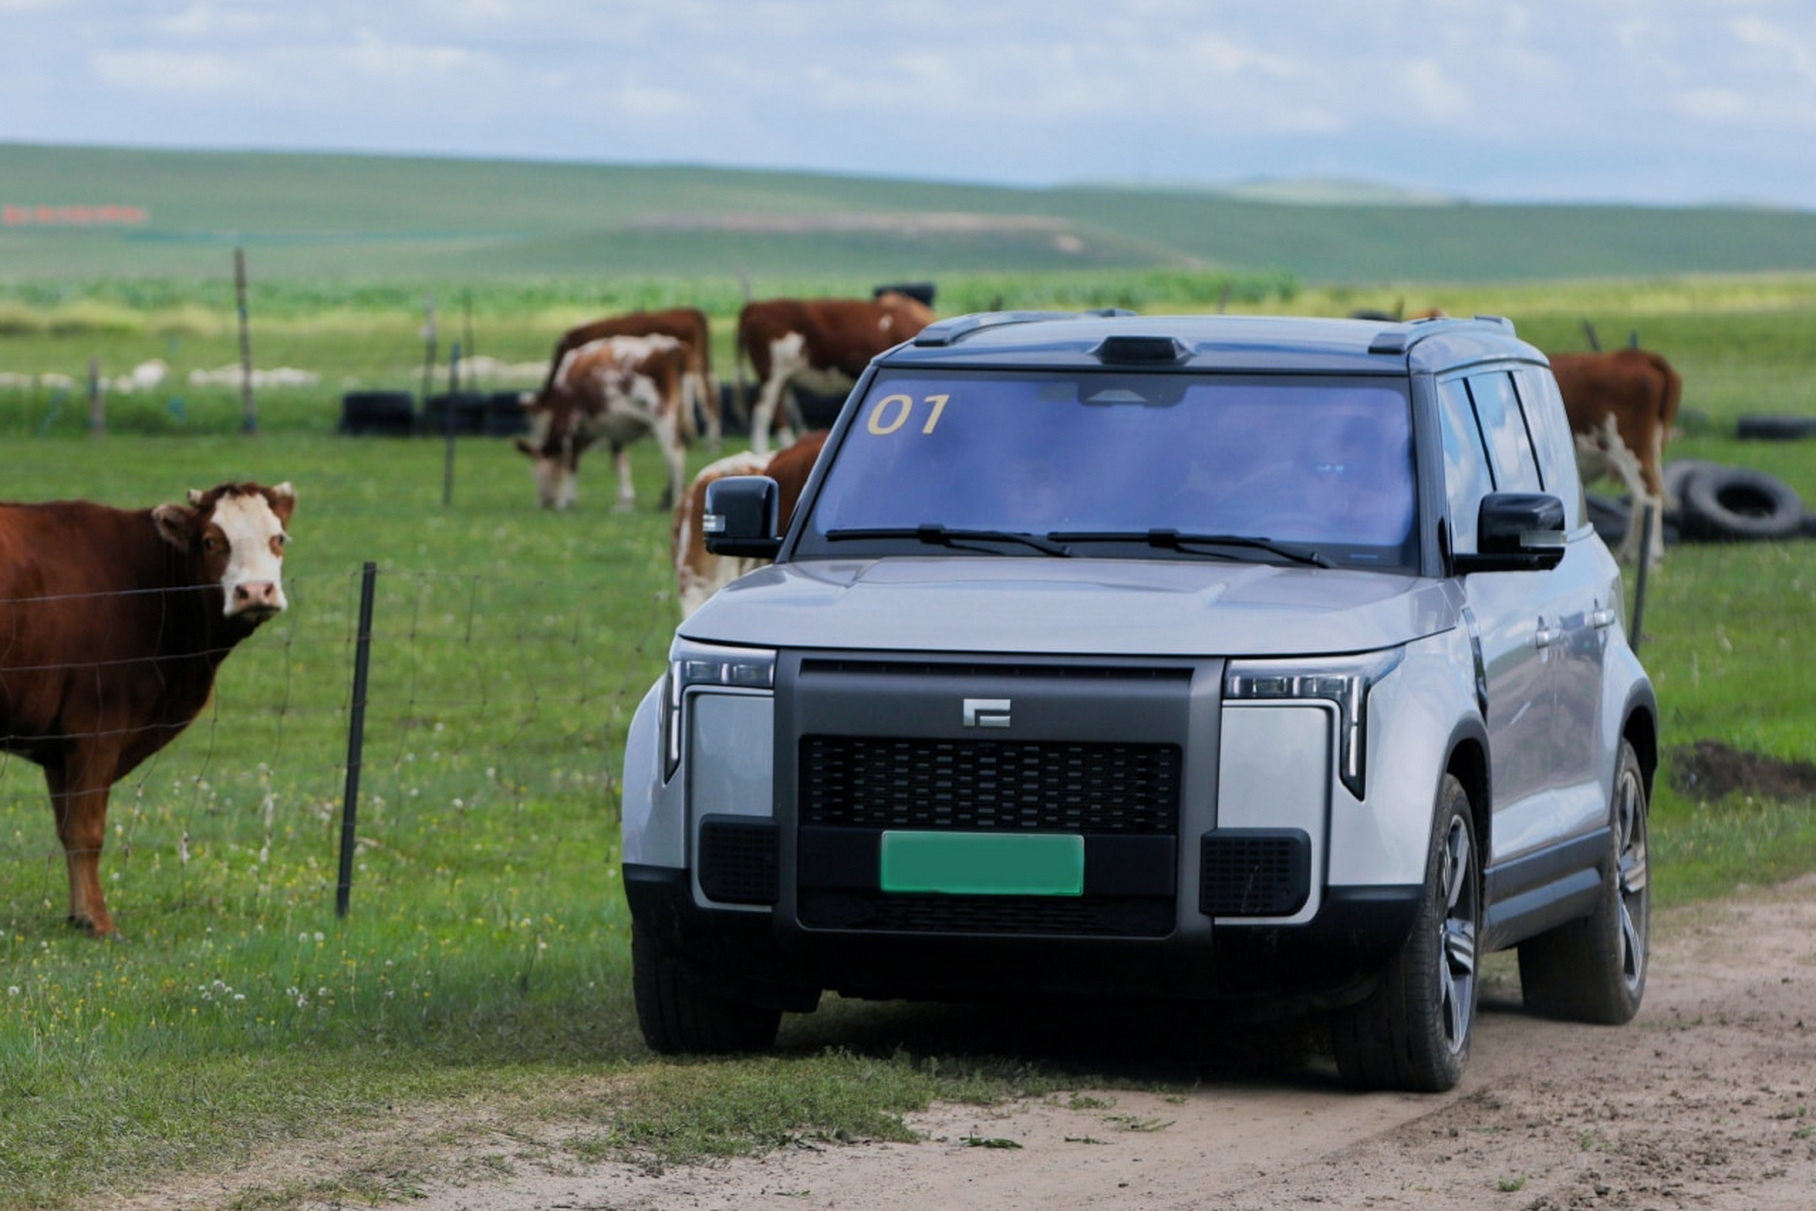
[(1018, 90)]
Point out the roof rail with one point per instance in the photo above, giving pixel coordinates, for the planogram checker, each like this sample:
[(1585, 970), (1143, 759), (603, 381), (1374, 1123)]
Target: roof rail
[(1402, 337), (951, 331)]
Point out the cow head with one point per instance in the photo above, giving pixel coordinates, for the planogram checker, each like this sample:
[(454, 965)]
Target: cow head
[(553, 445), (237, 532)]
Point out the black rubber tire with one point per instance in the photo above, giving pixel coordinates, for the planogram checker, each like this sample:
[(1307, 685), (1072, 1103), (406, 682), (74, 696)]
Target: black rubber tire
[(465, 410), (679, 1017), (1413, 1030), (1676, 475), (1739, 504), (1594, 969), (377, 414), (1609, 515), (505, 415), (1775, 428)]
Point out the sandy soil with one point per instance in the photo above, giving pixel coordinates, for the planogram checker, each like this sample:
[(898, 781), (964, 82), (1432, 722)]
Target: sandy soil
[(1707, 1100)]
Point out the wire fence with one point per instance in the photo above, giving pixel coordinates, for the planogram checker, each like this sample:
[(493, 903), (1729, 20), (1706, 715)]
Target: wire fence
[(495, 705)]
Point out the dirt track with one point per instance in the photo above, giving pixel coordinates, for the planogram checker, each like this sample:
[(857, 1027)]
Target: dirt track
[(1708, 1100)]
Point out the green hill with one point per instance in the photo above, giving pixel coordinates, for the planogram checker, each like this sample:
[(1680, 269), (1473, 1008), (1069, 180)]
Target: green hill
[(378, 217)]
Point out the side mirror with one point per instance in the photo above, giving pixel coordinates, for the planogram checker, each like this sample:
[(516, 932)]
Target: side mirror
[(740, 516), (1516, 532)]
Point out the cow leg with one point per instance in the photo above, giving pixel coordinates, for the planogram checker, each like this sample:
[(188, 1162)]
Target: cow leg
[(769, 398), (702, 404), (1625, 464), (674, 453), (78, 799), (709, 407), (627, 492)]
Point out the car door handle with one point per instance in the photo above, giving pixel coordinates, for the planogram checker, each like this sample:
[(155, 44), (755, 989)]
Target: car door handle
[(1545, 636), (1603, 617)]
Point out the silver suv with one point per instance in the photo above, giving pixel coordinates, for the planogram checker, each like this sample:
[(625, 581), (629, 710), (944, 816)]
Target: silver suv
[(1181, 658)]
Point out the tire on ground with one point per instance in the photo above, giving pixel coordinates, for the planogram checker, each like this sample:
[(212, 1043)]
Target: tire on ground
[(377, 413), (1594, 969), (679, 1016), (1413, 1030), (1738, 504), (1775, 428)]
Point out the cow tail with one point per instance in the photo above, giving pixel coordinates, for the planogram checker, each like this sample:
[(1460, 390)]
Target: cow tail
[(1671, 397)]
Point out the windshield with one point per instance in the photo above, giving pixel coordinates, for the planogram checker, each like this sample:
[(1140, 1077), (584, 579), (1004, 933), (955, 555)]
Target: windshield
[(1114, 464)]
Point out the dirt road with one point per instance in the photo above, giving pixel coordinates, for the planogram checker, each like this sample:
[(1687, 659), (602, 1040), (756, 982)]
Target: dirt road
[(1707, 1100)]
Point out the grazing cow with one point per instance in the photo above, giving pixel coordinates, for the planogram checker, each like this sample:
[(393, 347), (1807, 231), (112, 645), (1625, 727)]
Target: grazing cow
[(115, 622), (1622, 405), (822, 344), (618, 388), (698, 572), (687, 325)]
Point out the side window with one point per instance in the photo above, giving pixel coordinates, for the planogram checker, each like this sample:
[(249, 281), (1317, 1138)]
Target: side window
[(1551, 436), (1466, 473), (1504, 428)]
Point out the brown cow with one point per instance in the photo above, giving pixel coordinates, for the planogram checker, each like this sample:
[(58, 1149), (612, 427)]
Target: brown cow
[(115, 622), (1622, 406), (687, 325), (698, 572), (822, 344), (618, 388)]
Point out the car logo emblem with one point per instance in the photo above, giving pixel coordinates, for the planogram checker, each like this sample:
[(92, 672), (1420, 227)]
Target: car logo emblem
[(986, 712)]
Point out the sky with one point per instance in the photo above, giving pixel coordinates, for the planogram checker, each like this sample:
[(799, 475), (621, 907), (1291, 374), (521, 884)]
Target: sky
[(1658, 102)]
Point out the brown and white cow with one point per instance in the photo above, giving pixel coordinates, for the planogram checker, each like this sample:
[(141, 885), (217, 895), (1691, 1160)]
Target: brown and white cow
[(687, 325), (1622, 406), (114, 623), (821, 344), (698, 572), (616, 389)]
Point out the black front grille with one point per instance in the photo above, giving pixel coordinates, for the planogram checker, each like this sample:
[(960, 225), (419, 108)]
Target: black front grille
[(1254, 872), (1079, 916), (869, 782)]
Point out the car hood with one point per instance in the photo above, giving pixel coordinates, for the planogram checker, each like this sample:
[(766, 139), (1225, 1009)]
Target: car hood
[(1072, 607)]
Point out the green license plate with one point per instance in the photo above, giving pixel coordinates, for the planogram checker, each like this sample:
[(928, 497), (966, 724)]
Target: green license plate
[(984, 864)]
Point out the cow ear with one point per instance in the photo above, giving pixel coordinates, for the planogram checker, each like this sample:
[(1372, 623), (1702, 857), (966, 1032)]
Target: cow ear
[(283, 501), (195, 496), (174, 523)]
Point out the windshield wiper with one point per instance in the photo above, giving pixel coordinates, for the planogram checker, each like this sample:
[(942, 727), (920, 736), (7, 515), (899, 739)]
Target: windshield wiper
[(944, 536), (1174, 540)]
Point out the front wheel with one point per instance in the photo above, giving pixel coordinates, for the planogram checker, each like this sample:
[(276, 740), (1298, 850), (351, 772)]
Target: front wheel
[(1412, 1032), (1594, 969), (679, 1016)]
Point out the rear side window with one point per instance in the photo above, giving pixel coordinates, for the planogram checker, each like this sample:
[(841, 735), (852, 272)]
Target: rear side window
[(1516, 469), (1552, 440)]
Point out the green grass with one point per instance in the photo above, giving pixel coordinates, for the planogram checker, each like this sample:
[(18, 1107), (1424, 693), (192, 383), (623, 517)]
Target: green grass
[(395, 218), (482, 973)]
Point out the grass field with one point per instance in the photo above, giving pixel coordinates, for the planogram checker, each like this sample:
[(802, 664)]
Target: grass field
[(376, 218), (482, 972)]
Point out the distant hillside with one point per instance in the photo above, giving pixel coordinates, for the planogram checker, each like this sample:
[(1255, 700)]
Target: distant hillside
[(86, 212)]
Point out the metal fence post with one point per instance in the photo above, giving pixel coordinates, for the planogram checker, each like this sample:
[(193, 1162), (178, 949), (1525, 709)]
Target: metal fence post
[(356, 736), (1639, 583)]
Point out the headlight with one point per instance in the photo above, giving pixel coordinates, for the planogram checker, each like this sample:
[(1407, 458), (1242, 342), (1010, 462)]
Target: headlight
[(1344, 680), (693, 665)]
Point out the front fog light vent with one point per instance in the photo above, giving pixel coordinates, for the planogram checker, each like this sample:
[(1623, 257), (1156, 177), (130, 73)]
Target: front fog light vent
[(1253, 872), (738, 860)]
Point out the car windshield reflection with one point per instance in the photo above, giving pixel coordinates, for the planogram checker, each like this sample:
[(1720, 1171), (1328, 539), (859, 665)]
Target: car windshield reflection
[(1275, 469)]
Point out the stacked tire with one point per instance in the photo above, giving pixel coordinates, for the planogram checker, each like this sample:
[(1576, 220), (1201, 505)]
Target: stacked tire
[(378, 414), (1719, 503)]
